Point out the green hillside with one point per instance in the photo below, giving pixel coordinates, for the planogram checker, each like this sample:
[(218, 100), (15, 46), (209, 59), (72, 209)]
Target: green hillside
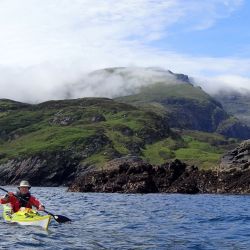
[(201, 149), (187, 107), (96, 130), (96, 127), (158, 92), (165, 120)]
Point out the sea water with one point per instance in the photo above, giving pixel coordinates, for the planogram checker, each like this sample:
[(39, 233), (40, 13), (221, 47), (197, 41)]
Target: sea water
[(135, 221)]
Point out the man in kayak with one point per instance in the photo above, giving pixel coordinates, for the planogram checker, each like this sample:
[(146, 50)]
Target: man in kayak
[(22, 198)]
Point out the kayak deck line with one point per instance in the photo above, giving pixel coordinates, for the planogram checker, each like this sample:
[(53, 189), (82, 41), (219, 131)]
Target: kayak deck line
[(26, 216)]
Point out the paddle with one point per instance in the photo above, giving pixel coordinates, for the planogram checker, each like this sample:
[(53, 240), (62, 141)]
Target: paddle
[(58, 218)]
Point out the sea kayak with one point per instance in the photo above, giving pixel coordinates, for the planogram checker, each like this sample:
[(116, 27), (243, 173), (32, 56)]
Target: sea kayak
[(26, 216)]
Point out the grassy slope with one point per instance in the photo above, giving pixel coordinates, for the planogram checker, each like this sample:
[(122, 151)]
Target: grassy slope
[(184, 105), (27, 130), (160, 91), (38, 128), (194, 147), (44, 139)]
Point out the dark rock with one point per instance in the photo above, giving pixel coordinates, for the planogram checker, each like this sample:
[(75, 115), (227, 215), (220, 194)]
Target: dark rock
[(239, 158), (135, 177), (98, 118), (49, 169), (63, 119), (234, 129), (181, 77), (124, 162), (2, 155), (174, 177), (127, 131), (134, 147)]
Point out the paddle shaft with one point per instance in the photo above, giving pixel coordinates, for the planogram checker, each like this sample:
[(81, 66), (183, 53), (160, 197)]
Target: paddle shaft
[(58, 218)]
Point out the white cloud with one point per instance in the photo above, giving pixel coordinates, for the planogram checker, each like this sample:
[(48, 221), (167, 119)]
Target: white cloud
[(46, 44), (118, 81), (225, 83)]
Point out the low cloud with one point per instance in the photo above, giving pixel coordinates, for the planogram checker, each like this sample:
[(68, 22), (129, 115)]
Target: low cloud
[(114, 82), (52, 81), (225, 84), (47, 46)]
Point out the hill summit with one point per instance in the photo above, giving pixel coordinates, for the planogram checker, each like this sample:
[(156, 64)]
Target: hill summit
[(121, 81), (165, 117)]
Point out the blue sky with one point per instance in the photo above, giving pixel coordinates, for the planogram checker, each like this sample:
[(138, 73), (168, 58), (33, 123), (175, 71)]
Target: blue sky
[(228, 37), (47, 44)]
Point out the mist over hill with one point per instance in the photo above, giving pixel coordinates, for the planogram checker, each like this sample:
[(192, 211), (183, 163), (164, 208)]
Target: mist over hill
[(236, 103), (158, 116), (121, 81), (177, 97), (126, 81)]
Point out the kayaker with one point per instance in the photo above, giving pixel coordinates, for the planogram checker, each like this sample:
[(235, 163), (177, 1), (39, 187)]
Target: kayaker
[(22, 198)]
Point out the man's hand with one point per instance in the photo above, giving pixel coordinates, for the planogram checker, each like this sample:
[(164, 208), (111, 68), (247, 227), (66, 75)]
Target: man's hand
[(11, 194), (41, 208), (6, 198)]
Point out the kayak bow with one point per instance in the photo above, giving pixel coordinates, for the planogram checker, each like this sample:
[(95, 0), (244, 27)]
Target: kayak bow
[(58, 218), (26, 216)]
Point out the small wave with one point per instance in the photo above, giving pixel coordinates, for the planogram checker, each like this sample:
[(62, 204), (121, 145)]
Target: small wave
[(117, 221)]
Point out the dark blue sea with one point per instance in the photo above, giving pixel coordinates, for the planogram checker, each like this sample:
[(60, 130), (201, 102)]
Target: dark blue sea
[(125, 221)]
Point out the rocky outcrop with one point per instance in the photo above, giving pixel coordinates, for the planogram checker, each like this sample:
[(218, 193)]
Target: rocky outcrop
[(53, 168), (236, 103), (50, 169), (125, 175), (180, 77), (192, 114), (234, 128), (238, 159), (175, 177)]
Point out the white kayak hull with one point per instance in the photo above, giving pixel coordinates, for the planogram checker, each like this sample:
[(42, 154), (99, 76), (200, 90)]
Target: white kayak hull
[(26, 217)]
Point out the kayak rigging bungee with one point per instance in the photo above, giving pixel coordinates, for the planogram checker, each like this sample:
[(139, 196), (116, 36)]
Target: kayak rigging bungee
[(26, 216)]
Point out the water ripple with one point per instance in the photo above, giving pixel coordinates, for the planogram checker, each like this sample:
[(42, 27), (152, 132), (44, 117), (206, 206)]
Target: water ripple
[(122, 221)]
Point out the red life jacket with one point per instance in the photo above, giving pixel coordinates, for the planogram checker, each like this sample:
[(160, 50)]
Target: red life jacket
[(26, 200)]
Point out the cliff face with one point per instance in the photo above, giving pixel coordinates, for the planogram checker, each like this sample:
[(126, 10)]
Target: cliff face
[(232, 127), (238, 158), (236, 103), (57, 168), (192, 114), (188, 107)]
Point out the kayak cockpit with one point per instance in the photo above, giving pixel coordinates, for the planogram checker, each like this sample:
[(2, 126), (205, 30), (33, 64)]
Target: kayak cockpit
[(26, 216)]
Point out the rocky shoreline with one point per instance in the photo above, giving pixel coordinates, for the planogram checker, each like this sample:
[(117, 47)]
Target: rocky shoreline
[(131, 174), (173, 177)]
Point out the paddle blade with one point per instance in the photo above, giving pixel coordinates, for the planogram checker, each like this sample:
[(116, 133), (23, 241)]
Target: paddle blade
[(61, 218)]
